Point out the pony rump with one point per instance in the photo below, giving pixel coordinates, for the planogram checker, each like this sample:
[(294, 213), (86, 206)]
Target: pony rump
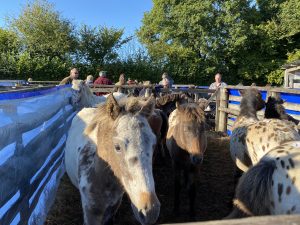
[(254, 191)]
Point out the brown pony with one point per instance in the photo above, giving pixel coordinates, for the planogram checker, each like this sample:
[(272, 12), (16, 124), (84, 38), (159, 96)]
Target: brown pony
[(186, 142), (158, 122)]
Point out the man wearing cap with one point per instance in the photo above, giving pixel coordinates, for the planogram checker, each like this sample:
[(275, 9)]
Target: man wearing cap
[(102, 79)]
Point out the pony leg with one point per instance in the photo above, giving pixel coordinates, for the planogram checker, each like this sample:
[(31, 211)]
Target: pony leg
[(237, 174), (177, 189), (192, 195), (92, 214)]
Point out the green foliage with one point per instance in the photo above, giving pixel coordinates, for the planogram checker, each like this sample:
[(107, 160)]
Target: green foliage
[(43, 31), (197, 38), (248, 41), (99, 45), (294, 56)]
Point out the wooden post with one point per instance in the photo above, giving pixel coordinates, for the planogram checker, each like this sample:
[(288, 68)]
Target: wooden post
[(222, 123), (217, 110)]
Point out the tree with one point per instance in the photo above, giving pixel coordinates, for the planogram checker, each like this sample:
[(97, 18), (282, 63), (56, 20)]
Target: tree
[(198, 37), (195, 39), (46, 42), (9, 49), (43, 31), (98, 45)]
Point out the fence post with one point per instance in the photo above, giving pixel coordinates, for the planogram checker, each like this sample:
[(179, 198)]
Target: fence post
[(223, 103), (217, 110)]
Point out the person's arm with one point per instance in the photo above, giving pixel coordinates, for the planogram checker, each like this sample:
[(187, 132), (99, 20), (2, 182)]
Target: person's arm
[(65, 81), (211, 86)]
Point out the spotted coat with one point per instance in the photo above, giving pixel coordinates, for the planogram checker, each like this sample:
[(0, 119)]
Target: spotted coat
[(252, 139), (286, 178)]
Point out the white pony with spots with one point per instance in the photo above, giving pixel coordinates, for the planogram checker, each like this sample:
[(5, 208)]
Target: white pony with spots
[(82, 95), (268, 151), (108, 152), (251, 139), (272, 186)]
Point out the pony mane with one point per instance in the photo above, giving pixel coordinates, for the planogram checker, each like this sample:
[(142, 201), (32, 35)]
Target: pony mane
[(192, 111), (170, 98), (131, 105)]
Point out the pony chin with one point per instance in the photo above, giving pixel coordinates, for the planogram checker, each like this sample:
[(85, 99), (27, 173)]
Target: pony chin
[(144, 202)]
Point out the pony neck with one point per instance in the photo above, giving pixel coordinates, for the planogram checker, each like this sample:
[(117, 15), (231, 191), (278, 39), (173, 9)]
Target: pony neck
[(248, 109)]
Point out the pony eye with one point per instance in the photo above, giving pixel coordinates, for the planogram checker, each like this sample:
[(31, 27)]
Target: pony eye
[(117, 148)]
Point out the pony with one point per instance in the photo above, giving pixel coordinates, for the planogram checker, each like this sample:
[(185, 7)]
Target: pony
[(186, 142), (272, 186), (275, 109), (108, 152), (159, 124), (82, 96), (251, 139), (167, 103)]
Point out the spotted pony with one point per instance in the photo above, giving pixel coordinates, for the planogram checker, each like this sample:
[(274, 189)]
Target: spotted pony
[(251, 139), (272, 186)]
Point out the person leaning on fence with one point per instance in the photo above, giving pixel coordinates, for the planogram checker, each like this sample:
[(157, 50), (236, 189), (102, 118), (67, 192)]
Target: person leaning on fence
[(218, 82), (73, 76), (102, 79), (167, 81), (121, 81), (215, 86)]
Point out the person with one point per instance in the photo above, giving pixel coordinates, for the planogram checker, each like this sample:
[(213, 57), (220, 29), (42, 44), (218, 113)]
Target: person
[(167, 81), (216, 85), (130, 81), (218, 82), (102, 79), (120, 82), (73, 76), (121, 79), (89, 80)]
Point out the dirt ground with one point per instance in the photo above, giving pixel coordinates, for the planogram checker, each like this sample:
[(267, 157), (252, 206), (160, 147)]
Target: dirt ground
[(215, 189)]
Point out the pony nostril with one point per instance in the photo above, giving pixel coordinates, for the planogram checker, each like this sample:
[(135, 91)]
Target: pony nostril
[(196, 160), (142, 215)]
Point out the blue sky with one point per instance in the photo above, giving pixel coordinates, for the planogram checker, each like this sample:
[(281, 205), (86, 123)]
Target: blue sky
[(125, 14)]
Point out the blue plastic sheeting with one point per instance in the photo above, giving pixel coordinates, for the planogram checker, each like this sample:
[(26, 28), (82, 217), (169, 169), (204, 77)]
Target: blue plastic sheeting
[(11, 83), (9, 203), (235, 92), (234, 102), (292, 112), (291, 98), (7, 152), (33, 132), (29, 94)]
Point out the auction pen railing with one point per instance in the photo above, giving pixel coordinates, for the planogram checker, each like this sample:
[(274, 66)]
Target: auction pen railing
[(229, 98)]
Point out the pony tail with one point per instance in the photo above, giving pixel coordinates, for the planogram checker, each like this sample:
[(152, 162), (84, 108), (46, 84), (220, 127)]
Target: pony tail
[(254, 191)]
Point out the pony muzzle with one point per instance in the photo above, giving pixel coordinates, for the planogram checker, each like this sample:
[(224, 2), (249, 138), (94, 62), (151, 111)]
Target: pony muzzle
[(196, 159), (148, 209)]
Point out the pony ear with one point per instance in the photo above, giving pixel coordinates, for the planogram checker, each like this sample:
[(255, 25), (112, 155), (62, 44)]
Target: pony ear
[(242, 92), (112, 107), (148, 107), (178, 105)]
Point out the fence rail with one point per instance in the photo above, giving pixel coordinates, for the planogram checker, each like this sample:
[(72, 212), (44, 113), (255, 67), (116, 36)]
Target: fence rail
[(229, 99)]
